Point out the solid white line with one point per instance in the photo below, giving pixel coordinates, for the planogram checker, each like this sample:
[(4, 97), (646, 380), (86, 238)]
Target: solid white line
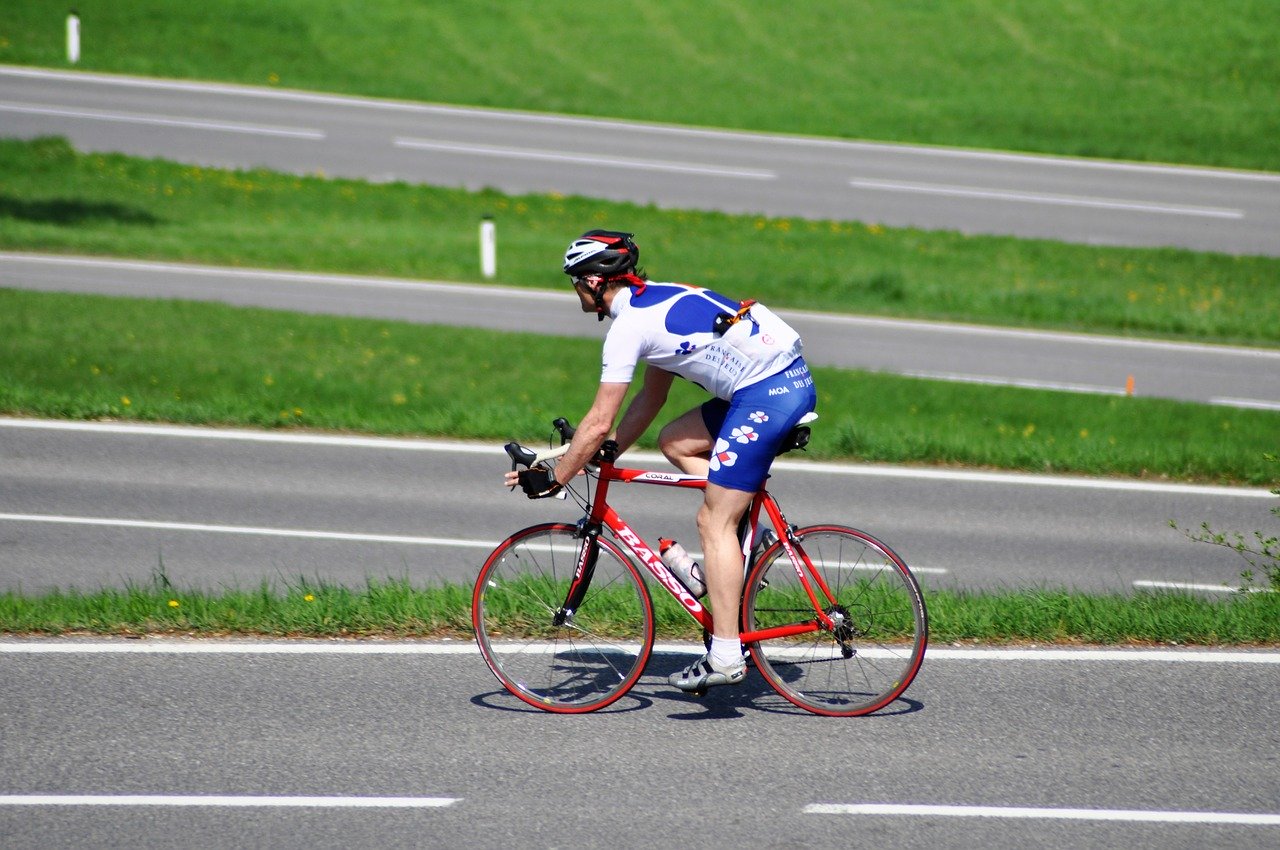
[(190, 123), (223, 800), (248, 530), (1038, 198), (1124, 815), (585, 159), (506, 292), (172, 646), (1016, 382), (387, 443), (634, 126)]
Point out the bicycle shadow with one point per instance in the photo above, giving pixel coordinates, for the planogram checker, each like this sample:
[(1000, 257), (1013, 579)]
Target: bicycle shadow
[(753, 694), (653, 690)]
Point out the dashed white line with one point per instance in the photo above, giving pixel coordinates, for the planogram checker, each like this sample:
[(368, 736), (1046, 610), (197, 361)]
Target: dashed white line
[(1182, 585), (162, 121), (1252, 403), (1016, 382), (225, 800), (1121, 815), (1039, 198), (248, 530), (586, 159)]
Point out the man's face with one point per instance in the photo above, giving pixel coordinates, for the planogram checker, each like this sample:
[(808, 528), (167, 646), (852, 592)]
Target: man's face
[(585, 287)]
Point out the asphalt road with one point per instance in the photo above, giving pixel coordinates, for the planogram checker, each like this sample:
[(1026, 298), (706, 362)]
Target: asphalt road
[(1163, 750), (1075, 200), (94, 505), (1240, 377)]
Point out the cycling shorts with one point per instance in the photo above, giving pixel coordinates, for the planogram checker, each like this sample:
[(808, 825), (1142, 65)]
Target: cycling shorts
[(748, 428)]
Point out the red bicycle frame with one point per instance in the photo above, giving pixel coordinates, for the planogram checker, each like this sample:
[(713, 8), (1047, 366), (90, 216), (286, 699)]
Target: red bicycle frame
[(602, 514)]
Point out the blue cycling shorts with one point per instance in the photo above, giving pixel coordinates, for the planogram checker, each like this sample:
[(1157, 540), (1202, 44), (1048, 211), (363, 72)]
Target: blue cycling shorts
[(749, 428)]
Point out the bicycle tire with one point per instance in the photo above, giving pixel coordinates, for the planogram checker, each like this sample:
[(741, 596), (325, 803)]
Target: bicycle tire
[(880, 616), (595, 655)]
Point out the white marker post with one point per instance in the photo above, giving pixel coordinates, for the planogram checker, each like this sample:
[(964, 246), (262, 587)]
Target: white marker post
[(488, 248), (73, 37)]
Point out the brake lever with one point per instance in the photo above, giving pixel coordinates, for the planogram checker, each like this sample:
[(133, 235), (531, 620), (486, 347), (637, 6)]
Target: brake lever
[(519, 455)]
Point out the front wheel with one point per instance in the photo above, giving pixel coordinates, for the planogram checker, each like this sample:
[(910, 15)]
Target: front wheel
[(553, 659), (879, 626)]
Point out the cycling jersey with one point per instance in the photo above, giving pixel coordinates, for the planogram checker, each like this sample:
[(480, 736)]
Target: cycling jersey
[(670, 325), (761, 384)]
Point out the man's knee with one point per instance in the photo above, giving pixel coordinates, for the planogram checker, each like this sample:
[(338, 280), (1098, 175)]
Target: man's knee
[(684, 438)]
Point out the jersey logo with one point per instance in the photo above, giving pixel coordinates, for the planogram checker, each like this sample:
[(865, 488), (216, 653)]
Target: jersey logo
[(686, 347), (758, 417), (745, 434), (720, 456)]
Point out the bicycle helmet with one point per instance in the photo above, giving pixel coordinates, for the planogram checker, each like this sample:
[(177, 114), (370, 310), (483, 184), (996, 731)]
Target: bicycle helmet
[(606, 253)]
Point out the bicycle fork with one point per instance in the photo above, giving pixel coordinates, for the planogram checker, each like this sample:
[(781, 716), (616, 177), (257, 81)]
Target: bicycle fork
[(587, 556)]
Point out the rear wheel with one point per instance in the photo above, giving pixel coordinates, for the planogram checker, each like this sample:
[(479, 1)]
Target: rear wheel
[(880, 630), (559, 661)]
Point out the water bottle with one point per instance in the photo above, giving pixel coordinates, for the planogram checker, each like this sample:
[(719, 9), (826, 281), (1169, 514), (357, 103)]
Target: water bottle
[(683, 565)]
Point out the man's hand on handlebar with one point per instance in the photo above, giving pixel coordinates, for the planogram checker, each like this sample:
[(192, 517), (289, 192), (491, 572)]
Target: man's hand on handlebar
[(538, 482)]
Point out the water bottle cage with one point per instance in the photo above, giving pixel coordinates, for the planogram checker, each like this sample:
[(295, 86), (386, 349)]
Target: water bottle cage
[(724, 321)]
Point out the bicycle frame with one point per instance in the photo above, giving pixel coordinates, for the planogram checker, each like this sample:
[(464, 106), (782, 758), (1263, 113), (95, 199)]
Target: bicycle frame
[(603, 515)]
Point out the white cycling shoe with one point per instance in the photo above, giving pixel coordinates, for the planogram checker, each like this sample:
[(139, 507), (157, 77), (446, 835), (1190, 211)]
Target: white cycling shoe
[(700, 675)]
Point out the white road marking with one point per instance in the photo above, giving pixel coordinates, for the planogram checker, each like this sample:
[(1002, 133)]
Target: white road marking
[(223, 801), (249, 530), (179, 646), (1016, 382), (1252, 403), (161, 121), (585, 159), (813, 467), (359, 281), (159, 525), (1040, 198), (1122, 815), (1182, 585), (1018, 333), (634, 126)]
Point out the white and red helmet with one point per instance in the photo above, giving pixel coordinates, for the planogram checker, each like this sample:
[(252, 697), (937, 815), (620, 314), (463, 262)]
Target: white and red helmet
[(603, 253)]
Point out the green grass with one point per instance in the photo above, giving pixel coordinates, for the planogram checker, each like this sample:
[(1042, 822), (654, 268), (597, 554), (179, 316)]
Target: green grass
[(55, 199), (70, 356), (394, 608), (1182, 82)]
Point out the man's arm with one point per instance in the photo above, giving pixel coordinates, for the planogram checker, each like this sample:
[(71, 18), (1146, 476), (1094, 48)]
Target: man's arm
[(644, 408), (592, 431)]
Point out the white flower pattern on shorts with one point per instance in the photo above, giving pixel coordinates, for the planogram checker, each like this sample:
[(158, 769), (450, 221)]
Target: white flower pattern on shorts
[(745, 434), (720, 456), (758, 417)]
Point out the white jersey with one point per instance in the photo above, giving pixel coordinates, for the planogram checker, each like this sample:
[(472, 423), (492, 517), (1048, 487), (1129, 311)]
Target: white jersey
[(670, 325)]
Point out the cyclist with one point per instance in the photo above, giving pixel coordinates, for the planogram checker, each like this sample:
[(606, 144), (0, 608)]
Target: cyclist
[(740, 352)]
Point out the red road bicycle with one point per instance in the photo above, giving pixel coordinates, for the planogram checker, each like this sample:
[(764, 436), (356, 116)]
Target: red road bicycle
[(831, 617)]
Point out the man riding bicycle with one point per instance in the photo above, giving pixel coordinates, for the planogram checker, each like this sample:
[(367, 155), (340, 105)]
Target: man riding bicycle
[(740, 352)]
